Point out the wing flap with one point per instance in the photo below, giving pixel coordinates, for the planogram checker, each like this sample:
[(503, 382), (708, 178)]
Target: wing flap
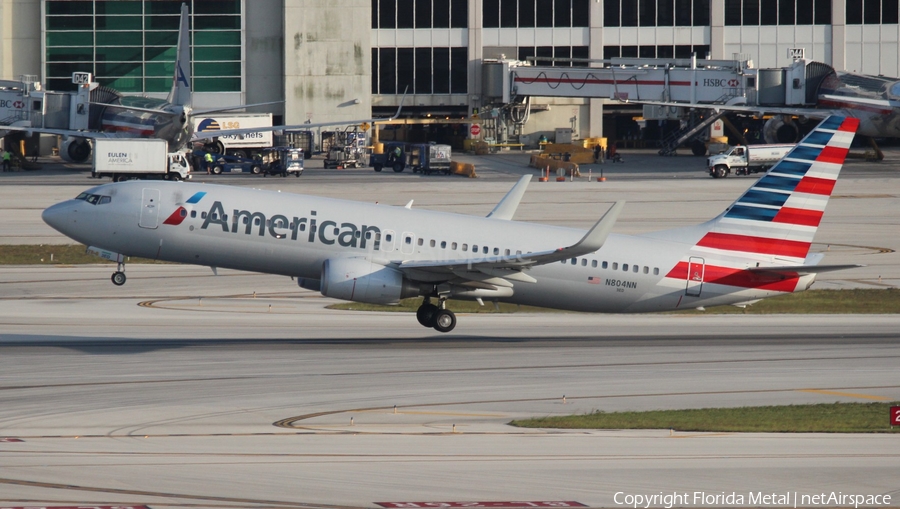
[(801, 270)]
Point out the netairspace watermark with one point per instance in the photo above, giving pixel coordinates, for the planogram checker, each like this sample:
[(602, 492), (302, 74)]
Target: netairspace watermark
[(751, 498)]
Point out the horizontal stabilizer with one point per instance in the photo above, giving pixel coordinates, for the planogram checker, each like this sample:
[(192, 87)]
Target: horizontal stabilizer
[(802, 269)]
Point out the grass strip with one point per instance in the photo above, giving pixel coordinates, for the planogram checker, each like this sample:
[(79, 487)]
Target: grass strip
[(855, 301), (55, 254), (819, 418)]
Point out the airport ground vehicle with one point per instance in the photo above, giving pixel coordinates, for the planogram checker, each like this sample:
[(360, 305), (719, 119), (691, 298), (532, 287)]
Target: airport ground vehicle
[(429, 158), (232, 164), (393, 156), (746, 159), (138, 158), (281, 161), (346, 149), (238, 145)]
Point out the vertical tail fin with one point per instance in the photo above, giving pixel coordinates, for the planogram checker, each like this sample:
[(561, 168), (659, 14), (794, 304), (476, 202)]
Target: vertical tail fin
[(780, 214), (181, 81)]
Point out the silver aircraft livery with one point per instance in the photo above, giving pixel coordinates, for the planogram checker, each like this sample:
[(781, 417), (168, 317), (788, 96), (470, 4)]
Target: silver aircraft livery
[(758, 247)]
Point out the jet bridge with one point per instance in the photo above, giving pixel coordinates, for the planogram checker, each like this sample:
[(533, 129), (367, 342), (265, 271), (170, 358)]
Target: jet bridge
[(509, 85)]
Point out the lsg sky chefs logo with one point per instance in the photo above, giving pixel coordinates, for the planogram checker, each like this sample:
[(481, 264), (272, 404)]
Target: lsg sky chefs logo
[(749, 499)]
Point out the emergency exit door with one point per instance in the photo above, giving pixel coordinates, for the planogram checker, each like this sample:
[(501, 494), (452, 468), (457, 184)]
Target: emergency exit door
[(149, 209)]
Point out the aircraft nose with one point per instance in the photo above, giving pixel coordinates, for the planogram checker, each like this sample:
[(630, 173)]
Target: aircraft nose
[(60, 216)]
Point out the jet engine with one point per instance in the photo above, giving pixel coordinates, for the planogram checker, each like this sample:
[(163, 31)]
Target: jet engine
[(75, 150), (360, 280), (780, 129)]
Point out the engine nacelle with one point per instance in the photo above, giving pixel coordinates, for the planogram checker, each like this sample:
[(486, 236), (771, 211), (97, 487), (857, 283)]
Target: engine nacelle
[(75, 150), (360, 280), (777, 130)]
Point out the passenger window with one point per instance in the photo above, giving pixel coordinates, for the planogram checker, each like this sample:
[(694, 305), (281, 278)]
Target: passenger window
[(407, 240), (203, 215), (506, 252), (518, 252), (584, 262), (496, 250), (245, 220), (193, 213), (443, 244), (625, 267), (357, 234), (594, 263), (453, 246), (484, 249), (302, 227), (615, 266), (635, 269), (655, 271), (431, 243), (183, 212), (604, 265), (368, 235), (646, 269), (422, 241), (388, 238), (256, 222), (474, 248), (465, 247), (574, 261), (336, 231)]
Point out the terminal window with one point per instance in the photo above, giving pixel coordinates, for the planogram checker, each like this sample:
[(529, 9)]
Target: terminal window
[(632, 13), (780, 12), (131, 46), (535, 13)]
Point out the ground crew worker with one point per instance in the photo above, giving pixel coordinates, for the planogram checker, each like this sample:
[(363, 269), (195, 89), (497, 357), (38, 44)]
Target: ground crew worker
[(5, 156), (208, 159)]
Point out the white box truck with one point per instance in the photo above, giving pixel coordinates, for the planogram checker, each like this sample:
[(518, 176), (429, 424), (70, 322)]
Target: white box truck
[(135, 159), (746, 159), (242, 145)]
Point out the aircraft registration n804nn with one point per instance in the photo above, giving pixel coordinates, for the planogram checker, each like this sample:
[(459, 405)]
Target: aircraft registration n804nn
[(757, 248)]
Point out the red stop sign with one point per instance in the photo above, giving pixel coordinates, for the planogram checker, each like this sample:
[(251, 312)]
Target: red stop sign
[(475, 129)]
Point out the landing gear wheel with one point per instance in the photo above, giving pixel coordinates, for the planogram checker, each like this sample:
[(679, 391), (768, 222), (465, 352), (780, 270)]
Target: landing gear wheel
[(425, 314), (118, 278), (444, 320)]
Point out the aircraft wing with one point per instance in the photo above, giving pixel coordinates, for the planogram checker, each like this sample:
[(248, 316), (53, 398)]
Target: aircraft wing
[(205, 135), (494, 270), (92, 135)]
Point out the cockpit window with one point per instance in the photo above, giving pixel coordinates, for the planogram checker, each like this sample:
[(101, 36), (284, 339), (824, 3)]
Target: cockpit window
[(94, 199)]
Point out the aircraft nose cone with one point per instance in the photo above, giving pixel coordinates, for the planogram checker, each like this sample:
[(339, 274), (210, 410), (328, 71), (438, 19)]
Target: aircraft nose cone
[(59, 216)]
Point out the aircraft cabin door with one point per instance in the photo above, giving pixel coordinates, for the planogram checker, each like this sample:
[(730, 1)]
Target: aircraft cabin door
[(149, 209), (694, 276)]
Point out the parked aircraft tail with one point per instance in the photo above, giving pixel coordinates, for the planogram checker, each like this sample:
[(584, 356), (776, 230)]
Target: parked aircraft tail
[(181, 81)]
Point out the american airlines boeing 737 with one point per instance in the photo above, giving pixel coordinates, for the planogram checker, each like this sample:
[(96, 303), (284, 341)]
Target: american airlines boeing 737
[(758, 247)]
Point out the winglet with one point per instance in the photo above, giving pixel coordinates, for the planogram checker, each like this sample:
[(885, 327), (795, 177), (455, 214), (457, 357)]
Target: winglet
[(594, 239), (506, 208)]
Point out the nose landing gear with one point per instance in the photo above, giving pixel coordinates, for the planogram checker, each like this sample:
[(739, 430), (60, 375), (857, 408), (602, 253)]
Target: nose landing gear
[(118, 277), (437, 317)]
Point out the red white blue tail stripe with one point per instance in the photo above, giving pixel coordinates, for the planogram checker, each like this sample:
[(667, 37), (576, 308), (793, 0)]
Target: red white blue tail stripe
[(779, 215), (774, 222)]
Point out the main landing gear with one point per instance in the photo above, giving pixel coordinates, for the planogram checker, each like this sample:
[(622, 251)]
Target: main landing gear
[(118, 277), (437, 317)]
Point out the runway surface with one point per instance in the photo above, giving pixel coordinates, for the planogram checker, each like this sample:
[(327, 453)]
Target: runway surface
[(185, 389)]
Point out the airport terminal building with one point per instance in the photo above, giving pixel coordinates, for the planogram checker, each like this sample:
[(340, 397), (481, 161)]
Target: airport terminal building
[(348, 59)]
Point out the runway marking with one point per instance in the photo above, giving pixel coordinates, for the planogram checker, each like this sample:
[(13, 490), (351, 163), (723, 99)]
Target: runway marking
[(155, 494), (845, 394)]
